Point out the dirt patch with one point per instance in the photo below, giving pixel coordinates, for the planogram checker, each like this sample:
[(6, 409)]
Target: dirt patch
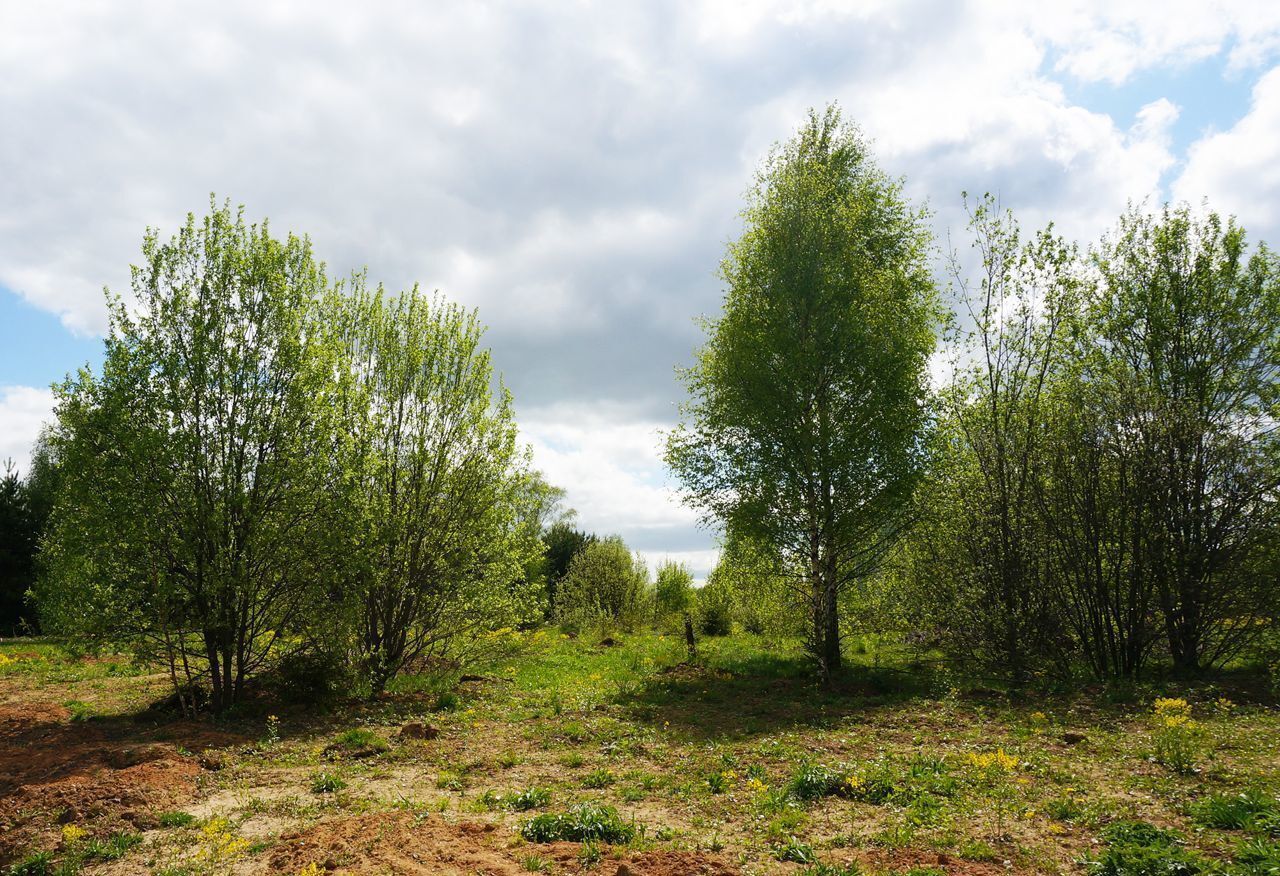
[(408, 843), (902, 860), (103, 775)]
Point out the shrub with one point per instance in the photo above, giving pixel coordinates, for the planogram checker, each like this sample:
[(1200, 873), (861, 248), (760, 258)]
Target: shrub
[(584, 822), (715, 608), (673, 592), (604, 581)]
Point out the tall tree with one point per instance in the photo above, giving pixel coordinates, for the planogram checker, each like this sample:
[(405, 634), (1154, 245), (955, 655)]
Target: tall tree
[(807, 402), (445, 516), (1186, 353), (190, 514), (988, 575)]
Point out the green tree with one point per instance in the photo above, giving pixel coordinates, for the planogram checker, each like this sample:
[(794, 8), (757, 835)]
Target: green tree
[(673, 588), (444, 514), (808, 400), (1185, 353), (604, 582), (563, 543), (191, 509), (980, 512)]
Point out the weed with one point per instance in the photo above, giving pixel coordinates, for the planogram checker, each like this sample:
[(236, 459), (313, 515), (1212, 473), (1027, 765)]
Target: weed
[(583, 822), (326, 783), (589, 855), (176, 819), (600, 778), (1247, 811), (535, 864), (795, 851)]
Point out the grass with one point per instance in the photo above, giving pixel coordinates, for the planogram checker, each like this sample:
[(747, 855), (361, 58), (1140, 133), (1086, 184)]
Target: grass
[(742, 750)]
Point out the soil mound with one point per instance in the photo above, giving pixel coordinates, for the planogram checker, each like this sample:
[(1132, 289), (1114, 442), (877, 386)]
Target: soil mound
[(101, 775), (406, 843)]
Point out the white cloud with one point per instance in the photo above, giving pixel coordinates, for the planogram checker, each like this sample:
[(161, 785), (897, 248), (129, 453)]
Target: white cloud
[(23, 411), (1238, 170)]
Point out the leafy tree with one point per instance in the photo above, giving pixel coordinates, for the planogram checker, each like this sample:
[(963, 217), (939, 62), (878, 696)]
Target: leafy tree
[(604, 582), (1185, 351), (191, 510), (807, 402), (980, 512), (563, 543), (766, 597), (714, 606), (444, 513), (673, 590)]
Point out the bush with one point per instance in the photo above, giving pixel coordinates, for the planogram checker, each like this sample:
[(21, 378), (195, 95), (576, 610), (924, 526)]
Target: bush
[(585, 822), (310, 677), (673, 592), (604, 581), (715, 608)]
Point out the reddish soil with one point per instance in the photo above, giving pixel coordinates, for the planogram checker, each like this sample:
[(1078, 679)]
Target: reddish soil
[(902, 860), (100, 775), (404, 843)]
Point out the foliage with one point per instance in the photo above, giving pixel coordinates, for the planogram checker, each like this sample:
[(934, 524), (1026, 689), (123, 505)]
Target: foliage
[(190, 518), (805, 410), (441, 517), (673, 589), (604, 581), (714, 607), (585, 822)]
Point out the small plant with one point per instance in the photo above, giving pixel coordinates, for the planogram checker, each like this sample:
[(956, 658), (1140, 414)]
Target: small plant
[(820, 869), (34, 864), (1247, 811), (1175, 736), (1135, 848), (583, 822), (112, 848), (795, 851), (718, 782), (326, 783), (359, 741), (176, 819), (600, 778), (573, 760), (273, 730), (80, 710), (589, 855), (518, 801), (508, 759), (535, 864)]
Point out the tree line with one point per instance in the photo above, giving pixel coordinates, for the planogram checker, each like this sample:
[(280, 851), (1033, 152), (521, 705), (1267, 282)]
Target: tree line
[(1092, 485), (273, 464)]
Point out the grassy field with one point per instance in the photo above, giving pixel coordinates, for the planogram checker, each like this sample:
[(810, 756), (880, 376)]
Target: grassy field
[(566, 755)]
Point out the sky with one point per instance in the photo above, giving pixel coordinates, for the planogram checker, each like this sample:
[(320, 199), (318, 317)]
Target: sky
[(575, 169)]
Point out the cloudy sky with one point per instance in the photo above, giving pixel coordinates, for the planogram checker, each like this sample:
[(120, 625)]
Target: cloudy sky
[(574, 169)]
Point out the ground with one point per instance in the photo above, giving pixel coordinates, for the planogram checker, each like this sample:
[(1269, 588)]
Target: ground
[(735, 764)]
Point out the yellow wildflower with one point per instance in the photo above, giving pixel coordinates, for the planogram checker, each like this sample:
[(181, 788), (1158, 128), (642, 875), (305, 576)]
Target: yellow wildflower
[(71, 833), (1172, 706)]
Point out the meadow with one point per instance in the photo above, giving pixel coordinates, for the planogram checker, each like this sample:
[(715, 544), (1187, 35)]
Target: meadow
[(616, 754)]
